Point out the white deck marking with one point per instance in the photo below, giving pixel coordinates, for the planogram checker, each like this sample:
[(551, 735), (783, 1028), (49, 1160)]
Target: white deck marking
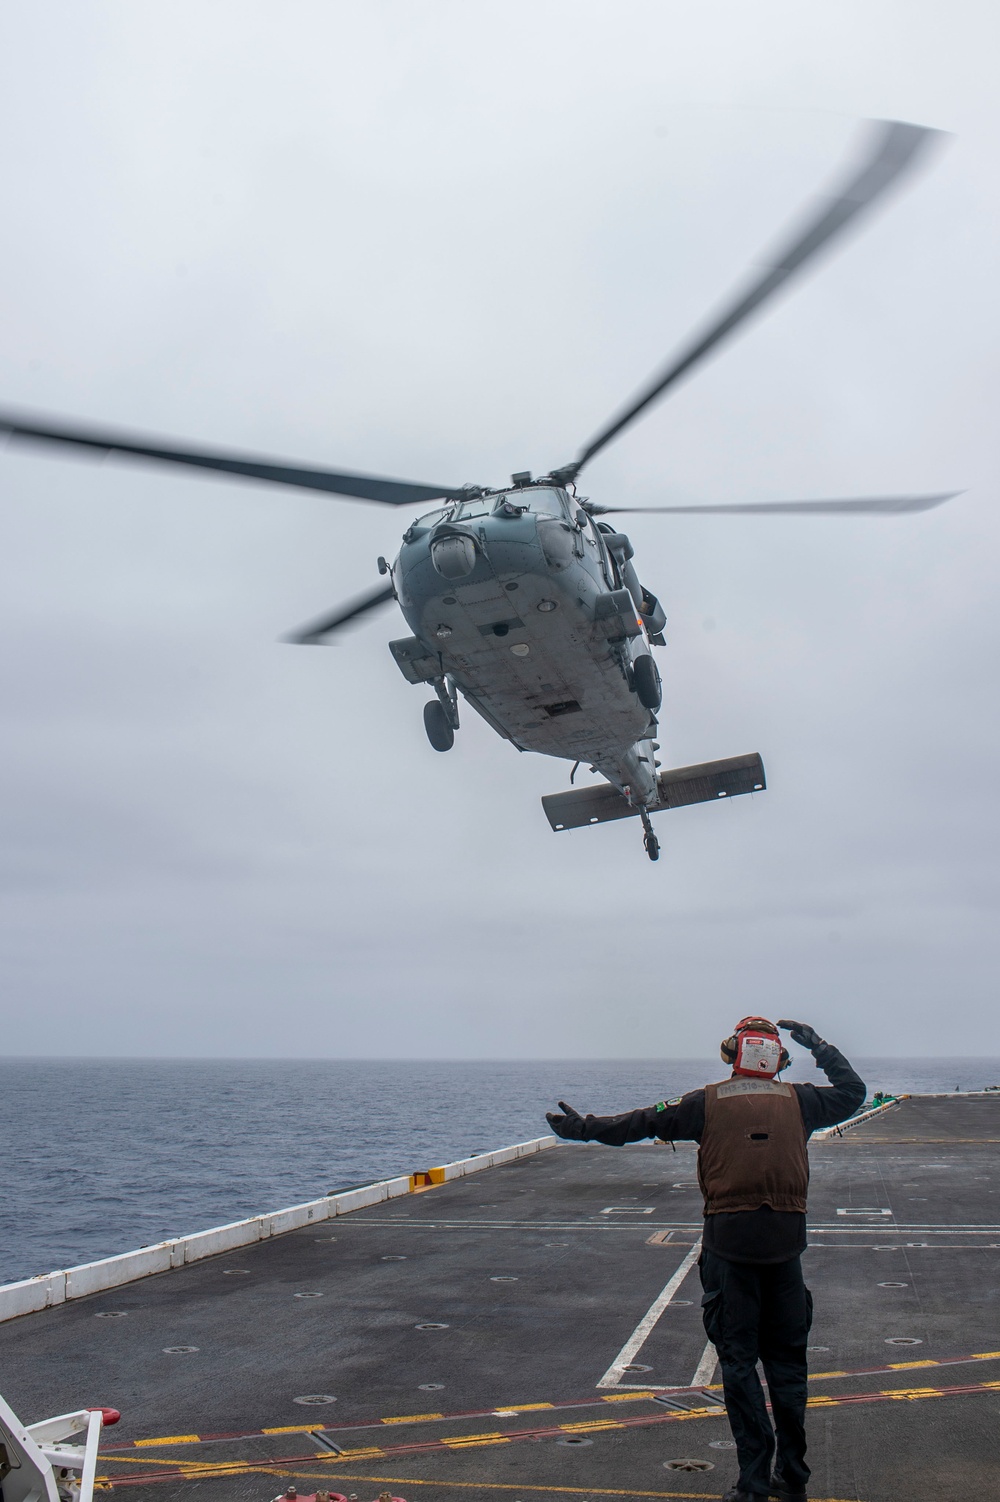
[(612, 1377), (844, 1228), (705, 1370)]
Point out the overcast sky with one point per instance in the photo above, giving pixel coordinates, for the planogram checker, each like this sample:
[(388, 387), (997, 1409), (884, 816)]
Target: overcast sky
[(445, 241)]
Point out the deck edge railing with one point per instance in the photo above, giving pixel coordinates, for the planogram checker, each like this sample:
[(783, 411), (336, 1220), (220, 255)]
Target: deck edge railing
[(853, 1121), (30, 1295)]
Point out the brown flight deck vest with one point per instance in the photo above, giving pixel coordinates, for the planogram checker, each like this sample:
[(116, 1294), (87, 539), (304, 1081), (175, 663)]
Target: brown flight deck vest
[(753, 1148)]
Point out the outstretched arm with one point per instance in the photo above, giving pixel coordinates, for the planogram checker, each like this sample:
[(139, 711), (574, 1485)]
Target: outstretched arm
[(681, 1119), (825, 1105)]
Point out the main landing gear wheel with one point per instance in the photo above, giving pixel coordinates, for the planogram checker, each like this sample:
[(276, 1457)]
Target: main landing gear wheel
[(649, 839), (646, 681), (439, 732)]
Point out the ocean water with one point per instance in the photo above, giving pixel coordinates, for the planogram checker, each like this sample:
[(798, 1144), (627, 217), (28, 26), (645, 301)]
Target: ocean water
[(101, 1156)]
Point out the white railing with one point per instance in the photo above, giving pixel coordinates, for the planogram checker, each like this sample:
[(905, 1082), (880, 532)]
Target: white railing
[(49, 1289), (853, 1121)]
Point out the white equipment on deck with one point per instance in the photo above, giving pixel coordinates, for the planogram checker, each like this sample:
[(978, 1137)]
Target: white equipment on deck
[(35, 1466)]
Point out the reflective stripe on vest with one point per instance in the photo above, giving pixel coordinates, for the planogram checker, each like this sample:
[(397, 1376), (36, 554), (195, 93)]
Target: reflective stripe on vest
[(753, 1148)]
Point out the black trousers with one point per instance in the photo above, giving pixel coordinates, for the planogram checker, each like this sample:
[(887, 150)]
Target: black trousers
[(761, 1311)]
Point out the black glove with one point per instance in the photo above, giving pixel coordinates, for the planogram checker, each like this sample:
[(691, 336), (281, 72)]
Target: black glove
[(804, 1035), (570, 1125)]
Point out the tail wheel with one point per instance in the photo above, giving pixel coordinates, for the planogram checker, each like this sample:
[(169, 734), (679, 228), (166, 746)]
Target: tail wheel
[(652, 845), (439, 732), (646, 681)]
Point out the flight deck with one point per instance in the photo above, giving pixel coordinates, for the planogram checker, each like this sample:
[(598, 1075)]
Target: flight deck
[(534, 1330)]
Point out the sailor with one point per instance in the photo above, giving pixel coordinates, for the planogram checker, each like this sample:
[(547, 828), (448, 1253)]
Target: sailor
[(753, 1169)]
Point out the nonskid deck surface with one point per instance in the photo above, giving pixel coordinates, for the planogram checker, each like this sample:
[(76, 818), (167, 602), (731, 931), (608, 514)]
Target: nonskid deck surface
[(537, 1284), (936, 1118)]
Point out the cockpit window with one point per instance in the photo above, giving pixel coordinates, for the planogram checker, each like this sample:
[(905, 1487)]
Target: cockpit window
[(480, 506), (424, 523), (546, 502), (542, 501)]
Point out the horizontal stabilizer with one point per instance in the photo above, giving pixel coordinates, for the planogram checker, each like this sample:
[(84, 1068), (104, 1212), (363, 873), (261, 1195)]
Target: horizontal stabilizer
[(704, 783)]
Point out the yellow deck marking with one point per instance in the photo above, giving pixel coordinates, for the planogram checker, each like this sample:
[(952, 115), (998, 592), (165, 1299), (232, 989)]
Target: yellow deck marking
[(473, 1444), (596, 1426), (474, 1439), (412, 1418), (193, 1469), (172, 1439), (611, 1397), (522, 1486), (147, 1460)]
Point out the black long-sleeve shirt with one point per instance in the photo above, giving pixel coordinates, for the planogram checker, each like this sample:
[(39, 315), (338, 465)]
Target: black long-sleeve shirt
[(762, 1235)]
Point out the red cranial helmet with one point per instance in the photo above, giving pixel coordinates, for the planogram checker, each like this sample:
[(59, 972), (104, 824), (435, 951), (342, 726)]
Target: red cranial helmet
[(755, 1049)]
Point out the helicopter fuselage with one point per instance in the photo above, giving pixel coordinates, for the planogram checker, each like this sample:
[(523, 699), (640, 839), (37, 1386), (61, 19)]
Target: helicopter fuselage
[(516, 600)]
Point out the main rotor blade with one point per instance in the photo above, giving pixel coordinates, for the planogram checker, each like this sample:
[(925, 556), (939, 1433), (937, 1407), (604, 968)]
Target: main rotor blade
[(879, 505), (894, 147), (275, 472), (312, 634)]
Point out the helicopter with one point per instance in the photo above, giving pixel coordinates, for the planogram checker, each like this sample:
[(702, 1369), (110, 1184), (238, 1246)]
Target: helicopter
[(521, 600)]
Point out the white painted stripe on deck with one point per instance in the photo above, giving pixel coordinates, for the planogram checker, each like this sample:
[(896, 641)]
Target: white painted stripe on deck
[(644, 1328), (705, 1370)]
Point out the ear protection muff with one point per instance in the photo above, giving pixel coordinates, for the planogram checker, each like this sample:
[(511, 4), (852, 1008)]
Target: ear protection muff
[(727, 1050), (757, 1034)]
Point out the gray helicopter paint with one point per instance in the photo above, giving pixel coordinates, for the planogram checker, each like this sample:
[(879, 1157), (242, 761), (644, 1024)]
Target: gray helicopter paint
[(520, 634)]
